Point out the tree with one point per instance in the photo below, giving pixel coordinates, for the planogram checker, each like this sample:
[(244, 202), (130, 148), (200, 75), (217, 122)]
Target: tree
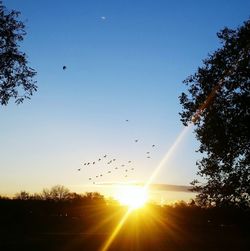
[(23, 195), (16, 77), (56, 193), (217, 102)]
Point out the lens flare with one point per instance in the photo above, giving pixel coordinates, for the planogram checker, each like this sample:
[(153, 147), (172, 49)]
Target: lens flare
[(168, 154), (130, 202), (116, 231)]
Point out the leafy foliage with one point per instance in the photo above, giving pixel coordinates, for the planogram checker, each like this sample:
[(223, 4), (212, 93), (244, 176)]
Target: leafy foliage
[(16, 77), (218, 103)]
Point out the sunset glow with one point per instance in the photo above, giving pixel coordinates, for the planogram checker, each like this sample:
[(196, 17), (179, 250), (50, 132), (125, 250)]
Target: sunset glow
[(132, 196)]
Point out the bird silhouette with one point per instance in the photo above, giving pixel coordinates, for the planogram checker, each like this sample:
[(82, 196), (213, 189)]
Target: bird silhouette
[(90, 178), (99, 159), (122, 165), (85, 164), (105, 156), (126, 170), (64, 67), (126, 120), (129, 161), (153, 145), (116, 167), (132, 169), (148, 152), (79, 169), (93, 162), (148, 157), (114, 159), (109, 171), (136, 140)]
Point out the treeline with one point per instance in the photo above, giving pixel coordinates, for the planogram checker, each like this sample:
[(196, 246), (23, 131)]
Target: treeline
[(56, 218), (53, 210), (58, 201), (55, 193)]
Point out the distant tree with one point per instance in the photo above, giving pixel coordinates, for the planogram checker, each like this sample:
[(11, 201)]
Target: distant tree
[(23, 195), (57, 192), (16, 77), (218, 103), (75, 197), (36, 196), (94, 196), (4, 198), (46, 194)]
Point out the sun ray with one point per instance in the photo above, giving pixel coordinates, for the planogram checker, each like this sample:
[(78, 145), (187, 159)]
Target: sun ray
[(168, 155), (151, 178), (116, 230)]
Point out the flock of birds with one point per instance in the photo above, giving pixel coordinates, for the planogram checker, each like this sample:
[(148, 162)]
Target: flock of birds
[(111, 163)]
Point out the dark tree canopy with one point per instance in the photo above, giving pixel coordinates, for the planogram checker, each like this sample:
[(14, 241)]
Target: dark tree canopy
[(218, 103), (16, 77)]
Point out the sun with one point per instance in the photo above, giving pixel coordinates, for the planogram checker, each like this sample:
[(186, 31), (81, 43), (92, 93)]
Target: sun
[(132, 196)]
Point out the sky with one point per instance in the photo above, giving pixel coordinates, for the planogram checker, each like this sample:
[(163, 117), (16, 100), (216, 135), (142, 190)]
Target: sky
[(125, 60)]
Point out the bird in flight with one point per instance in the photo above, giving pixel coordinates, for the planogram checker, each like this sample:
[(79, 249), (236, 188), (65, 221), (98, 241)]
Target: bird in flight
[(126, 120), (90, 178), (153, 145), (79, 169), (99, 159), (93, 162), (136, 140), (148, 152), (64, 67), (129, 161), (132, 168), (105, 156)]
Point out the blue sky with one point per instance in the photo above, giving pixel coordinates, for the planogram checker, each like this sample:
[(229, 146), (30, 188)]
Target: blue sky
[(128, 65)]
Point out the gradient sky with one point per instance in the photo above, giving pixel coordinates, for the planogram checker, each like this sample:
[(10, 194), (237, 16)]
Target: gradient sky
[(125, 60)]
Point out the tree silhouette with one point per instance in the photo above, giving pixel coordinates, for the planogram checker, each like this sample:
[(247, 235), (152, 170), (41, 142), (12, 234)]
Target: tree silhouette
[(16, 77), (218, 103), (56, 193), (23, 195)]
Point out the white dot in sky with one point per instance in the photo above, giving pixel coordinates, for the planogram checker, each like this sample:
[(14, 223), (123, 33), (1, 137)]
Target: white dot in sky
[(103, 18)]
